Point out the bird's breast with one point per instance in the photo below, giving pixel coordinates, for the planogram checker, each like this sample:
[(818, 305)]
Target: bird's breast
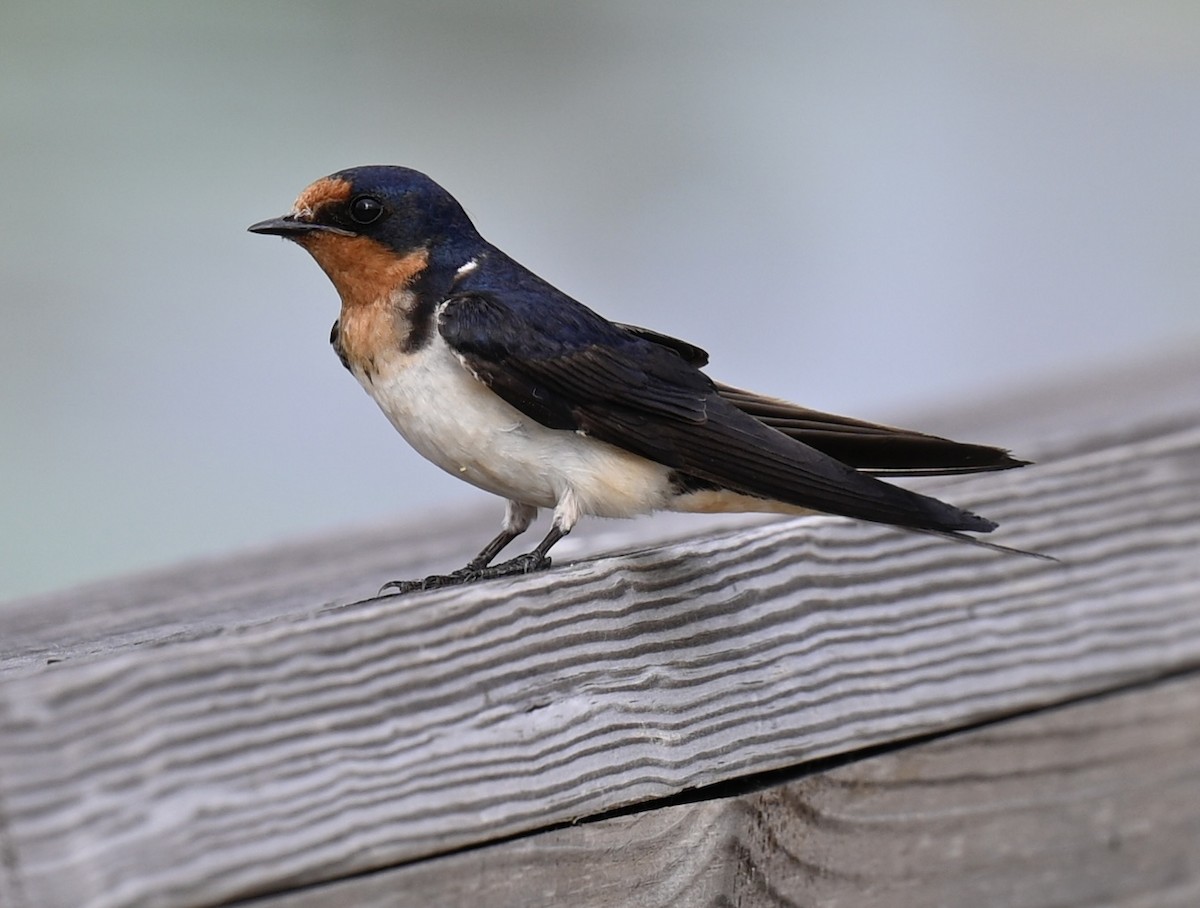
[(372, 336), (454, 420)]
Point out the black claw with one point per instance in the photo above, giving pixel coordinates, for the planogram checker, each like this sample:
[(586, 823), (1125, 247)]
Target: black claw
[(432, 582), (522, 564)]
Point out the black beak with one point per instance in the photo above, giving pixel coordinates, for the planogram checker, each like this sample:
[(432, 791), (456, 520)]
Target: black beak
[(288, 227)]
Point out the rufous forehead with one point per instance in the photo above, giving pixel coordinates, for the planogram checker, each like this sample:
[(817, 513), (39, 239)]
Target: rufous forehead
[(322, 192)]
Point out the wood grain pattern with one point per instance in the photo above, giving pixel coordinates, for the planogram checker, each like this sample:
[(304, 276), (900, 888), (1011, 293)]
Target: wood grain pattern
[(1096, 803), (215, 596), (253, 754)]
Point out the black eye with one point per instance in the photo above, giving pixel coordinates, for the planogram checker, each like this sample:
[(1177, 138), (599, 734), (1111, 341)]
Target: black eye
[(366, 209)]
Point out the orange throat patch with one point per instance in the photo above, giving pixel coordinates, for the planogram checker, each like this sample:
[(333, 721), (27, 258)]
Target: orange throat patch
[(373, 280), (370, 338), (373, 283), (362, 269)]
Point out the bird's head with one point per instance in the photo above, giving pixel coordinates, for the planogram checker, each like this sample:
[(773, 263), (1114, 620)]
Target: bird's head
[(374, 230)]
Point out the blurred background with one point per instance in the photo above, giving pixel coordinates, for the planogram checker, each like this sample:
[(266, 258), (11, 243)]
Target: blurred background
[(866, 207)]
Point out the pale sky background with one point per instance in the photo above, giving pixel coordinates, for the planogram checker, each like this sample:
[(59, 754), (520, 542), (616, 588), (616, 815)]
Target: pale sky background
[(866, 207)]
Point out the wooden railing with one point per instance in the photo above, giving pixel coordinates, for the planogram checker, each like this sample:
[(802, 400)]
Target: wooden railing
[(749, 712)]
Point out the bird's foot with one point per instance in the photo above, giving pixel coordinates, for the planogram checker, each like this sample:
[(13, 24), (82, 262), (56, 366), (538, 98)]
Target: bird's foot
[(522, 564), (432, 582)]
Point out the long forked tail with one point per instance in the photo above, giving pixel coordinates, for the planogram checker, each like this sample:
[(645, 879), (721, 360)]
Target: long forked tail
[(740, 451), (870, 447), (984, 544), (881, 450)]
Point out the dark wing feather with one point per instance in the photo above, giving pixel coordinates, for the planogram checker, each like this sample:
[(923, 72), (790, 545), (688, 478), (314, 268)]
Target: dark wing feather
[(690, 353), (553, 370), (570, 369), (870, 447), (867, 446)]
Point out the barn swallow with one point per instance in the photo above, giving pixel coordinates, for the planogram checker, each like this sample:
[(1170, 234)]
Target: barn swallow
[(506, 382)]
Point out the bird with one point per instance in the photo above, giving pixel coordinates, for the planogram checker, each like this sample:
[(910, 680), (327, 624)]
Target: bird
[(508, 383)]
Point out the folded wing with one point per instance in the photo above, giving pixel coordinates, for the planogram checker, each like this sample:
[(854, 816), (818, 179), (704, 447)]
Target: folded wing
[(870, 447), (570, 369)]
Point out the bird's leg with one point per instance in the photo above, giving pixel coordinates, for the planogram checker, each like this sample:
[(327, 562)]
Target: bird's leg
[(517, 518), (491, 550), (537, 560), (566, 514)]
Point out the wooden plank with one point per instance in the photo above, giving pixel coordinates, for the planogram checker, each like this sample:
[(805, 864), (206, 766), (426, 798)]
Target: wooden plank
[(1097, 803), (305, 750), (211, 597), (308, 745), (216, 596)]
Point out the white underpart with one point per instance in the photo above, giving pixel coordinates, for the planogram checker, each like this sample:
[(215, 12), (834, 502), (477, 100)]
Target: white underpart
[(518, 516), (455, 421)]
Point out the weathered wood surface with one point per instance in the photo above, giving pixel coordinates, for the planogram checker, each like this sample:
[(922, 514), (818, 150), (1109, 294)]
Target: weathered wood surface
[(1047, 422), (253, 752), (1096, 803)]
